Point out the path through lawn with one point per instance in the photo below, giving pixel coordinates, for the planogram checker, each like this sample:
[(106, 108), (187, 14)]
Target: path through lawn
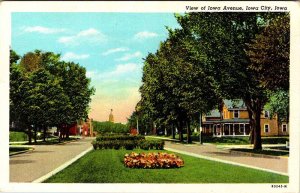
[(106, 166)]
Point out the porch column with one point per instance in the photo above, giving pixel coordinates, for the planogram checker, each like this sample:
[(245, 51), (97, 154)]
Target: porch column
[(223, 128), (244, 129), (233, 129)]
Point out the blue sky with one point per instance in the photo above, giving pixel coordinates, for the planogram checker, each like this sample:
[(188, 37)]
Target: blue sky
[(111, 46)]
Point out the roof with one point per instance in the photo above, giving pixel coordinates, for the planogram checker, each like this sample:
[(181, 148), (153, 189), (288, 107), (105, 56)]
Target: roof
[(227, 121), (213, 113), (235, 104)]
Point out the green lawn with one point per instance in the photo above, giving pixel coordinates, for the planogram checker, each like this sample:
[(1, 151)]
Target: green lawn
[(17, 136), (106, 166)]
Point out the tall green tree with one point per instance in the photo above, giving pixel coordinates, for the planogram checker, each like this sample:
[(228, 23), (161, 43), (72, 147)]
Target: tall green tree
[(45, 91), (220, 41), (174, 88)]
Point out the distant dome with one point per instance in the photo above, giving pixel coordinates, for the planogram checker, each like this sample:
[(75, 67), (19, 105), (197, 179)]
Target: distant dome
[(111, 116)]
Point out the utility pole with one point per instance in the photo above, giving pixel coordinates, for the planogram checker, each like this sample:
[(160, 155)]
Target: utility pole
[(200, 129)]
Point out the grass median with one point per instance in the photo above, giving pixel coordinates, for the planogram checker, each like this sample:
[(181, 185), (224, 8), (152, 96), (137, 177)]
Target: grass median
[(106, 166)]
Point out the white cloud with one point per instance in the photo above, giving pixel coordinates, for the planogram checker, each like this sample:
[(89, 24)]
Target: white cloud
[(90, 35), (114, 50), (43, 30), (125, 68), (91, 74), (127, 57), (119, 70), (72, 56), (89, 32), (144, 35)]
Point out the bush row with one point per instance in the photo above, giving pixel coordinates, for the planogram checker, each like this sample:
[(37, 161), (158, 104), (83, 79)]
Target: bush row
[(129, 144), (152, 144), (119, 137)]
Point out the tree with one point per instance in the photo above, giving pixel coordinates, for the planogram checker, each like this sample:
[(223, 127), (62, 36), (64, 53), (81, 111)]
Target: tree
[(269, 54), (13, 57), (75, 85), (109, 127), (45, 91), (220, 41), (174, 89), (279, 104)]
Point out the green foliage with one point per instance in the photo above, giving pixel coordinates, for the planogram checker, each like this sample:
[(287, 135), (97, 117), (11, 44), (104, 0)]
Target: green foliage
[(275, 140), (129, 144), (269, 53), (45, 91), (145, 145), (279, 104), (117, 141), (109, 127), (207, 60), (17, 136), (119, 137)]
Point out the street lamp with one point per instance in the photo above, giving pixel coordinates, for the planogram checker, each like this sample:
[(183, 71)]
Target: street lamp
[(137, 109), (200, 134)]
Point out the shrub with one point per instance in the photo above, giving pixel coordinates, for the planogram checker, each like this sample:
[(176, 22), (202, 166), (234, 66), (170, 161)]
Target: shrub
[(145, 145), (152, 160), (129, 145), (119, 137), (117, 144), (95, 145)]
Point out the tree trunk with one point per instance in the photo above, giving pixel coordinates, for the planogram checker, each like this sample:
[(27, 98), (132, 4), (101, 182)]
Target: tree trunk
[(67, 132), (254, 107), (29, 135), (188, 138), (251, 137), (59, 133), (256, 131), (180, 131), (35, 133), (173, 131), (45, 132)]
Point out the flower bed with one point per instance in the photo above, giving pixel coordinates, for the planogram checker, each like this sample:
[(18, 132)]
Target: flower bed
[(152, 160)]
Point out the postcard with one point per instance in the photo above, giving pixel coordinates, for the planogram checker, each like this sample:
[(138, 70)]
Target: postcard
[(150, 96)]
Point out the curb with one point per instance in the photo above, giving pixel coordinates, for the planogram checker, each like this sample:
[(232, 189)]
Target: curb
[(225, 161), (253, 154), (63, 166), (20, 152)]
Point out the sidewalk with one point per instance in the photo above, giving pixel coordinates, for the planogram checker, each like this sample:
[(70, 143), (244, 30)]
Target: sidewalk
[(211, 151), (45, 158)]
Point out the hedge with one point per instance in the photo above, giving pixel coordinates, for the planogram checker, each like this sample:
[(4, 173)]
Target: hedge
[(127, 142), (119, 137)]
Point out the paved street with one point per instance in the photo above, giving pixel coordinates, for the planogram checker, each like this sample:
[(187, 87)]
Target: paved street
[(30, 166), (278, 164)]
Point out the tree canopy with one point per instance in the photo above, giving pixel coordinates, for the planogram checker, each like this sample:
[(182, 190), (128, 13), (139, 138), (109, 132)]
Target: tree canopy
[(212, 57), (45, 91)]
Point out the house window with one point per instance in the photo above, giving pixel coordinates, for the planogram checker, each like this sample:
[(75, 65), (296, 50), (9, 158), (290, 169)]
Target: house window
[(267, 128), (236, 114), (241, 129), (284, 127), (267, 114)]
